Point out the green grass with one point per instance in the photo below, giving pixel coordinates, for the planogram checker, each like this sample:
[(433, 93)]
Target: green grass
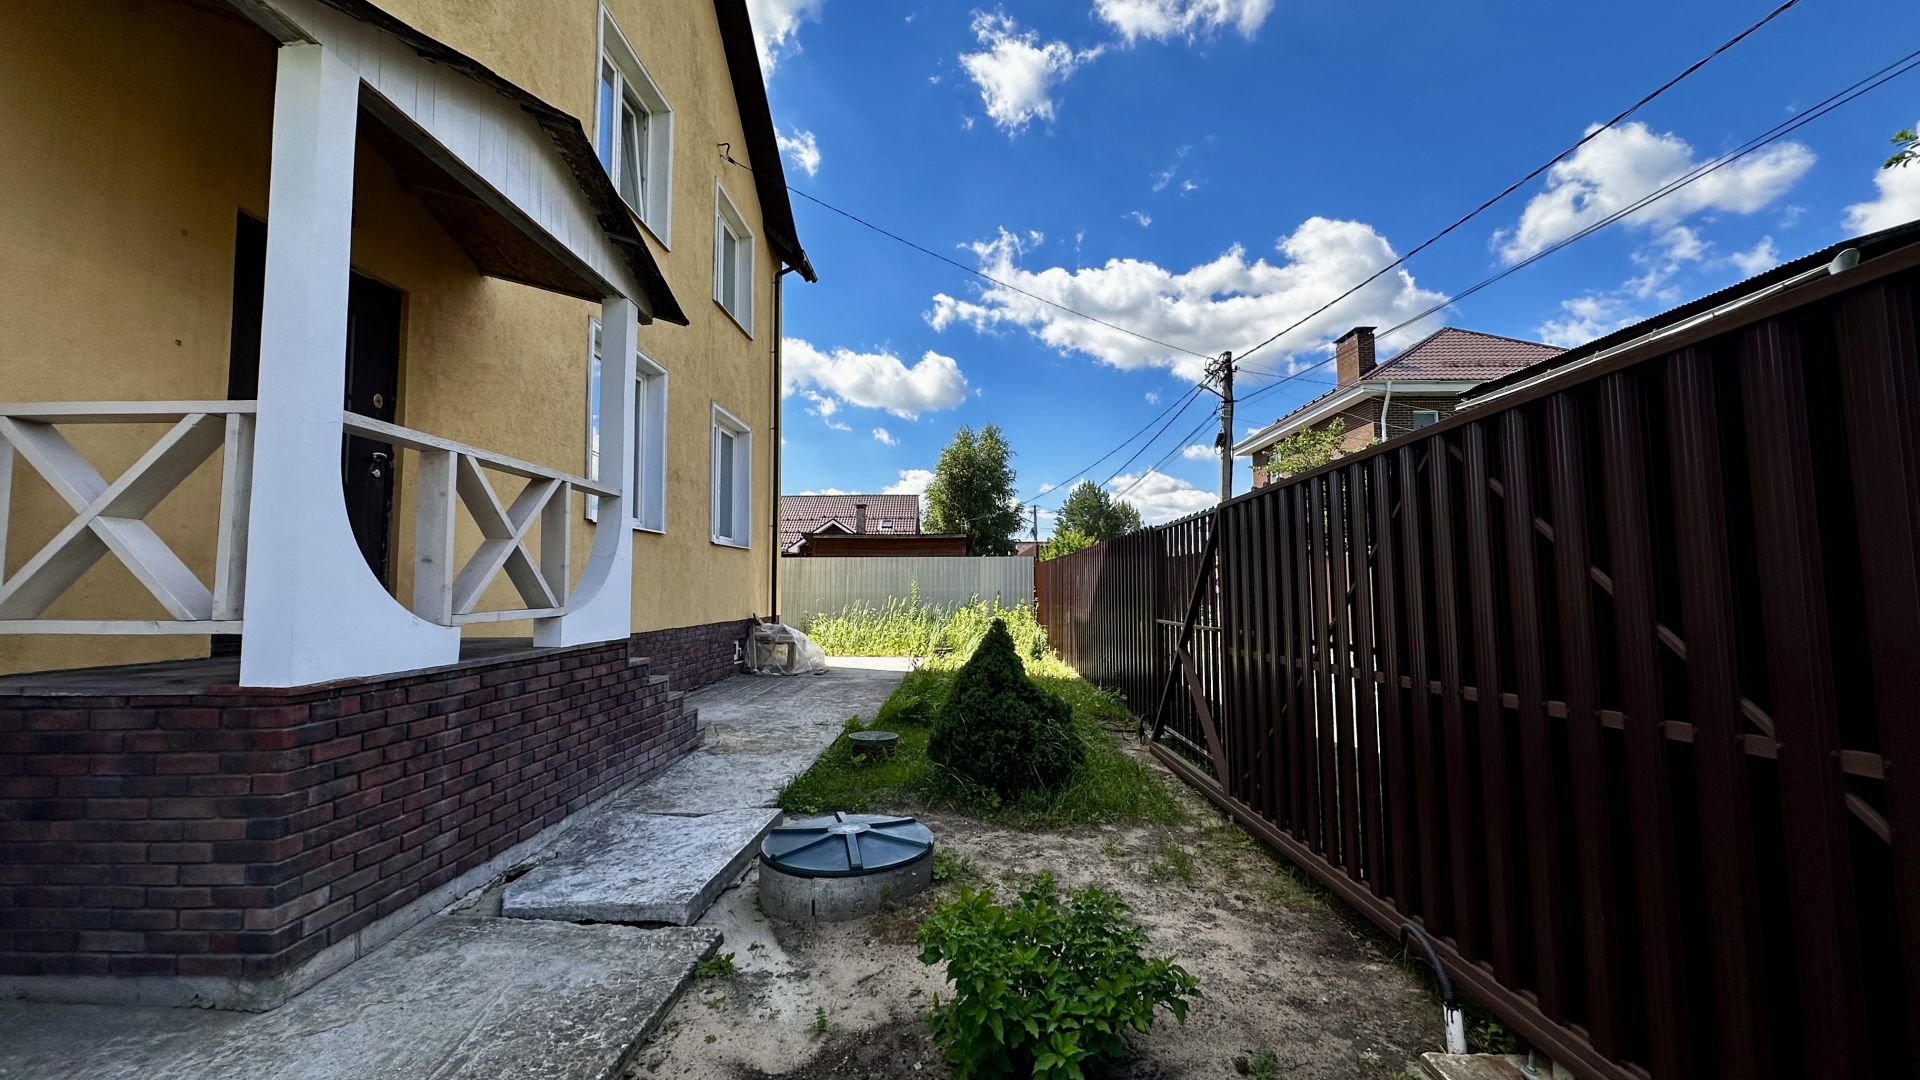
[(1109, 787), (907, 626)]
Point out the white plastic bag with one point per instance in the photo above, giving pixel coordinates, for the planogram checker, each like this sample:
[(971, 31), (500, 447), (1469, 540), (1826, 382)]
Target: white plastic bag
[(777, 649)]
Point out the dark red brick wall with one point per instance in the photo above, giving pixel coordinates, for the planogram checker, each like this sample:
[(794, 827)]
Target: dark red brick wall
[(693, 656), (239, 833)]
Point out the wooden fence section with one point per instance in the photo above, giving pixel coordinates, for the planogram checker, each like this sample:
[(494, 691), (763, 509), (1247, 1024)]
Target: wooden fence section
[(1602, 684)]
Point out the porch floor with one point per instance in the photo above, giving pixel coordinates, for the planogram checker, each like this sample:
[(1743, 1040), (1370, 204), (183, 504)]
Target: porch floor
[(196, 676)]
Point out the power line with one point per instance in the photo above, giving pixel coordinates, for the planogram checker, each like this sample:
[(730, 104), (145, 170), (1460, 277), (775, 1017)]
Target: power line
[(1773, 134), (1517, 184), (1178, 403), (1155, 467), (976, 272)]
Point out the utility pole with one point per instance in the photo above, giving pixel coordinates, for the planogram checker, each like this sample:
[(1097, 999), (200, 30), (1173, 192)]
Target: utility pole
[(1226, 426), (1036, 521)]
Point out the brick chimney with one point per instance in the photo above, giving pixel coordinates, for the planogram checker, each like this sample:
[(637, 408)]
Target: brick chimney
[(1353, 355), (860, 518)]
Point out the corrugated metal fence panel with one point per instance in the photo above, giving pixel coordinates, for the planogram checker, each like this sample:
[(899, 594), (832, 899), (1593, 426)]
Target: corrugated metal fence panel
[(810, 587), (1602, 685)]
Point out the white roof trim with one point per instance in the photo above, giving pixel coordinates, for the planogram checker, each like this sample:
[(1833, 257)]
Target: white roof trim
[(1339, 401)]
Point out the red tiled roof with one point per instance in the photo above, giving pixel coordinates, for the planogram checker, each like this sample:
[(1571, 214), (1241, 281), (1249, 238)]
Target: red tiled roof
[(802, 514), (1452, 353)]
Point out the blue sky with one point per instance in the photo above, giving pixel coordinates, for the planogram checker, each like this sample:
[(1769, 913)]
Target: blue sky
[(1209, 171)]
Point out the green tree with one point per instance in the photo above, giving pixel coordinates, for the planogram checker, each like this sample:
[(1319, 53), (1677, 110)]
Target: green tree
[(1065, 541), (1308, 448), (1092, 512), (972, 492), (1908, 151)]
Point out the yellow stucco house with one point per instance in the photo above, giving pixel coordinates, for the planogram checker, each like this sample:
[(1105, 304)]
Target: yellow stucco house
[(389, 414), (452, 216)]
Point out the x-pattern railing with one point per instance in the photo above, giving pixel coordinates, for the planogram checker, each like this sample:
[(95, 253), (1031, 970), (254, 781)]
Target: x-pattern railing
[(110, 516)]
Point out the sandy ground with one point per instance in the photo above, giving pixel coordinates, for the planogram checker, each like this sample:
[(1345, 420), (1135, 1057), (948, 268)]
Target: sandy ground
[(1280, 967)]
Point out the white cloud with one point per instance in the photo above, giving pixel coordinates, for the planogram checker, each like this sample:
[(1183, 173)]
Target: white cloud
[(884, 437), (1188, 187), (802, 149), (911, 482), (1143, 220), (1669, 253), (839, 426), (1228, 300), (1762, 257), (873, 380), (1201, 452), (1163, 19), (1044, 488), (826, 491), (1159, 497), (1626, 163), (1017, 72), (1153, 397), (822, 404), (1897, 203), (775, 24), (1585, 318), (1162, 179)]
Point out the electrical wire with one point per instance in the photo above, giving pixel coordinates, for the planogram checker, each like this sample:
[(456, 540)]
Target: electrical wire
[(1517, 184), (1181, 403), (975, 271), (1863, 86)]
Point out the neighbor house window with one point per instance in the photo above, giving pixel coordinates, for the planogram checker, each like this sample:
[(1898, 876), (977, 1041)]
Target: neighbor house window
[(649, 404), (1425, 418), (635, 132), (732, 479), (732, 261)]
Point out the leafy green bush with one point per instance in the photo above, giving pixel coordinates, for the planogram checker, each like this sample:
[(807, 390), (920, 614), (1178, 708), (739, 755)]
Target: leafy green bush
[(909, 626), (1000, 730), (1043, 987)]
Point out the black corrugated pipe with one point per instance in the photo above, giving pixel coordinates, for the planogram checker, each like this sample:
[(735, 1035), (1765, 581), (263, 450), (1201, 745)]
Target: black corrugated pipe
[(1449, 1009)]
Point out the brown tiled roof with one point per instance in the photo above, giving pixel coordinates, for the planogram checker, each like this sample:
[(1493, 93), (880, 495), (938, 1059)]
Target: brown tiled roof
[(1452, 353), (802, 514)]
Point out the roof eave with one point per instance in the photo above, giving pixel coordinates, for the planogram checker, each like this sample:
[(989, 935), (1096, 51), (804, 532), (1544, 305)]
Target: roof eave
[(763, 144)]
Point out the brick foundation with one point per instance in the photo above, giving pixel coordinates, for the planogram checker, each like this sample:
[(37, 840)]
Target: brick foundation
[(693, 656), (226, 838)]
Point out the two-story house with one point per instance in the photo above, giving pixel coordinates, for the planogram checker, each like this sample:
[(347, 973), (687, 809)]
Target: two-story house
[(1372, 402), (388, 434)]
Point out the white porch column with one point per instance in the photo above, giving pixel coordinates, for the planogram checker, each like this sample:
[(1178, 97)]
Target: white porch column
[(601, 608), (314, 612)]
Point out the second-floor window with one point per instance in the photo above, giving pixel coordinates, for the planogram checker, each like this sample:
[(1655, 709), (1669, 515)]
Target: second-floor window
[(732, 261), (635, 132)]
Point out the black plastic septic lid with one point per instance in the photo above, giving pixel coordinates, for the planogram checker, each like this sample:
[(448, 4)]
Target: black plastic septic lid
[(846, 845)]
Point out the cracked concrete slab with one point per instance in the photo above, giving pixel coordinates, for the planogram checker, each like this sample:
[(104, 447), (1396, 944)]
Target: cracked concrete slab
[(625, 867), (452, 998)]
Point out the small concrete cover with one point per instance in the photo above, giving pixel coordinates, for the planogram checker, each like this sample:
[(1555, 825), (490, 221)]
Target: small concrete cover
[(625, 867), (845, 845), (453, 997)]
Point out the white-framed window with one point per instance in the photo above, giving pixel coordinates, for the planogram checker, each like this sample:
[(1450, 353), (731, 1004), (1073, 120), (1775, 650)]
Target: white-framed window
[(732, 261), (634, 131), (649, 404), (1425, 418), (732, 479)]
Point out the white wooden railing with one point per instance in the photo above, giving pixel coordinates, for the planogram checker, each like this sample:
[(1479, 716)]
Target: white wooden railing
[(110, 519), (451, 474)]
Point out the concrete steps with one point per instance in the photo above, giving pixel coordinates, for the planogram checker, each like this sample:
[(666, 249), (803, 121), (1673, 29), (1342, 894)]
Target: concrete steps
[(454, 997), (626, 865)]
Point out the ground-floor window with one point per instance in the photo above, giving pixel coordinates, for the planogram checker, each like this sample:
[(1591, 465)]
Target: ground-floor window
[(732, 478), (649, 404)]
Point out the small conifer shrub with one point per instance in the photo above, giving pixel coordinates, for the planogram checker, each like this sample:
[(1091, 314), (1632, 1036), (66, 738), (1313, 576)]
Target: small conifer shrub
[(1000, 730)]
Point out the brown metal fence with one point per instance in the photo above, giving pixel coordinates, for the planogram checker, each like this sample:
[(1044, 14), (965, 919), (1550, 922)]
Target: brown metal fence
[(1602, 684)]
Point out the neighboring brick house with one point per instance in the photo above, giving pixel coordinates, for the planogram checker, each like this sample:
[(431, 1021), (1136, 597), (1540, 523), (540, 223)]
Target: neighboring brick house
[(1378, 401), (847, 525)]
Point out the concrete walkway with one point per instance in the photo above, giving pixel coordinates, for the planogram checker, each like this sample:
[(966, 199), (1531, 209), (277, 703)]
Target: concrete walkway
[(520, 998), (662, 851)]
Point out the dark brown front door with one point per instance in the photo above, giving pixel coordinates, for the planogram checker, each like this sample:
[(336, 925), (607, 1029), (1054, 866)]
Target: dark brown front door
[(373, 383)]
